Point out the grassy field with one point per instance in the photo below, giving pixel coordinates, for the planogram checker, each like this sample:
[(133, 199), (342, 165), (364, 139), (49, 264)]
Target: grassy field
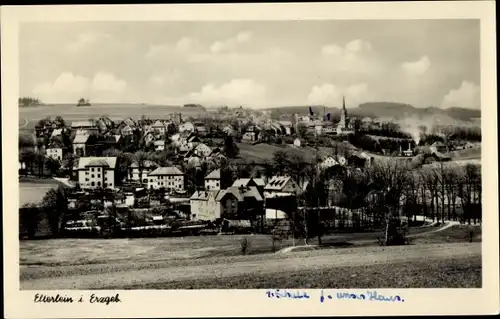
[(458, 233), (427, 273), (262, 151), (113, 111), (350, 267), (61, 252), (467, 154), (435, 258)]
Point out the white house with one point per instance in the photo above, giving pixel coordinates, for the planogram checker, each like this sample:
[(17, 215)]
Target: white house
[(149, 137), (126, 130), (213, 180), (147, 167), (87, 125), (205, 206), (186, 127), (159, 127), (79, 144), (328, 162), (281, 186), (96, 172), (202, 150), (170, 178), (183, 145), (159, 145), (55, 150), (438, 147)]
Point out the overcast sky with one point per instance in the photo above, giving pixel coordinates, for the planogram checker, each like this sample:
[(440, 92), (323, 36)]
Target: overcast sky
[(254, 64)]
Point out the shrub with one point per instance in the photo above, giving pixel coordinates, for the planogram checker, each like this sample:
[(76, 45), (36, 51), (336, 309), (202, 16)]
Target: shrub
[(245, 245)]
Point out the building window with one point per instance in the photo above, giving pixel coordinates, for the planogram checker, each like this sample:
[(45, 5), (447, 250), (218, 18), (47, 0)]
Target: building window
[(98, 175), (86, 179), (86, 172), (98, 183), (92, 169), (93, 184), (92, 176), (105, 185)]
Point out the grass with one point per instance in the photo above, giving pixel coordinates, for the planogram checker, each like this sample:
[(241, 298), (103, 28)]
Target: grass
[(470, 153), (115, 111), (61, 252), (458, 233), (426, 273), (263, 151)]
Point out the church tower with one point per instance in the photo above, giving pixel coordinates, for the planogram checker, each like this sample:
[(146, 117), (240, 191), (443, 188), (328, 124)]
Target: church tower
[(343, 115)]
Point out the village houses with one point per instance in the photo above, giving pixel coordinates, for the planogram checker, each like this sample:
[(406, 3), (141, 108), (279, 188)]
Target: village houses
[(213, 180), (55, 150), (96, 172), (159, 145), (80, 144), (126, 130), (327, 162), (170, 178), (233, 203), (135, 171), (186, 127), (159, 127), (281, 186), (202, 150), (86, 125)]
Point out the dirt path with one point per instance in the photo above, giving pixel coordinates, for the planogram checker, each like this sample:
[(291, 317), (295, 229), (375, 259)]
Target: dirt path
[(25, 123), (329, 259), (366, 241)]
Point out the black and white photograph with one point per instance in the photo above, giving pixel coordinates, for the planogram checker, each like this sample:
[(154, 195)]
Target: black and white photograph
[(250, 154)]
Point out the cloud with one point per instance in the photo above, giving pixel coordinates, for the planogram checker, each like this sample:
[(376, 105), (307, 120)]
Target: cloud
[(68, 87), (184, 44), (350, 51), (85, 40), (158, 50), (355, 57), (108, 82), (65, 87), (236, 92), (330, 94), (232, 43), (417, 67), (165, 80), (467, 95)]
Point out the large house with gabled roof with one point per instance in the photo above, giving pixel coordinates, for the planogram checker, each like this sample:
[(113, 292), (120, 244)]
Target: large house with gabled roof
[(55, 150), (213, 180), (281, 186), (170, 178), (96, 172)]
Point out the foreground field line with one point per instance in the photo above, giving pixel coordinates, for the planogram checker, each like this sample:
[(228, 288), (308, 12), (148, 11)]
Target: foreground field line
[(100, 280)]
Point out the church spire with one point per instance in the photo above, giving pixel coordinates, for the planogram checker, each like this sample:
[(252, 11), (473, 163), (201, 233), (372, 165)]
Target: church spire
[(343, 102)]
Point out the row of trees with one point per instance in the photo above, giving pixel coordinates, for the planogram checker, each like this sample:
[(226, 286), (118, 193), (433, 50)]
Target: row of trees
[(29, 101), (385, 192)]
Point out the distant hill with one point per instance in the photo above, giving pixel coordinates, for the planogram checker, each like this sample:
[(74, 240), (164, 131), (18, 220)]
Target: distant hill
[(385, 109), (400, 110), (302, 110), (195, 106)]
